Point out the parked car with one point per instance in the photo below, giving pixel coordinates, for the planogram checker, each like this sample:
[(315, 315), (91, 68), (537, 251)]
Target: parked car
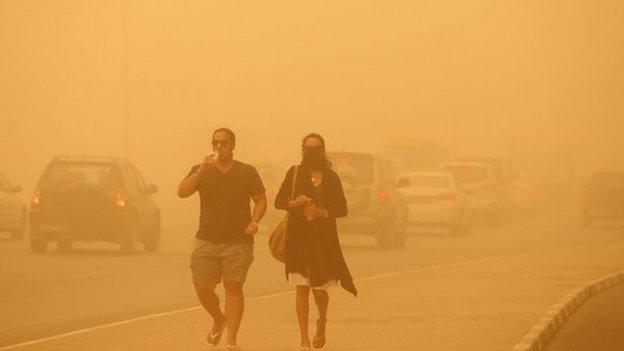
[(484, 192), (13, 212), (604, 197), (376, 206), (84, 198), (435, 201)]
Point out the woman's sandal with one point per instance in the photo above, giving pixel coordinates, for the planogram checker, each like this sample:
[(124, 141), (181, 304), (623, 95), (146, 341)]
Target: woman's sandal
[(213, 339), (319, 340)]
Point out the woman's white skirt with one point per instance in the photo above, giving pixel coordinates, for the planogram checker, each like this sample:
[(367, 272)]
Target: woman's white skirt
[(298, 279)]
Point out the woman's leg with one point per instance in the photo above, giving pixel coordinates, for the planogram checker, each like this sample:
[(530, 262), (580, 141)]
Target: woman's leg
[(302, 304), (321, 297)]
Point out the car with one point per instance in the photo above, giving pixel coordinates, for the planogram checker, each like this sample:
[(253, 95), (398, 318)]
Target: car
[(375, 204), (435, 201), (503, 173), (13, 212), (87, 198), (479, 183), (604, 197)]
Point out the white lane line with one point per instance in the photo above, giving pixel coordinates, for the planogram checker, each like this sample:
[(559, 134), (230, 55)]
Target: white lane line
[(264, 297)]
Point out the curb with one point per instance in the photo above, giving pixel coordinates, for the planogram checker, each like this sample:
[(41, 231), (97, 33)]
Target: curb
[(541, 332)]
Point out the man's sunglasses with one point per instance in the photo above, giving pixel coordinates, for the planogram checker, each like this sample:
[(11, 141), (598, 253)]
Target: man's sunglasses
[(222, 142)]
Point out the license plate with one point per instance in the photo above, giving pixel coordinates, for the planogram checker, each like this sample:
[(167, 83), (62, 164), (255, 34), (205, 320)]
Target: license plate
[(53, 228)]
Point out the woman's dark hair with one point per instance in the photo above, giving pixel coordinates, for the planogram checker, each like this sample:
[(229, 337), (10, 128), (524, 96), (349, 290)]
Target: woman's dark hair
[(320, 138), (229, 132)]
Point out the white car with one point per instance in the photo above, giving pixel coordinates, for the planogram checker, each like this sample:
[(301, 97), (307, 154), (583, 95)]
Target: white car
[(479, 183), (434, 201)]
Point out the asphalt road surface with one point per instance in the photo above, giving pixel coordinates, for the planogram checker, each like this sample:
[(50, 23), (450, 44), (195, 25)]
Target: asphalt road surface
[(45, 295)]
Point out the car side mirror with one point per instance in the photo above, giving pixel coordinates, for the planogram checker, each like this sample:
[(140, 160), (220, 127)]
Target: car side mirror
[(402, 183), (152, 189), (17, 189)]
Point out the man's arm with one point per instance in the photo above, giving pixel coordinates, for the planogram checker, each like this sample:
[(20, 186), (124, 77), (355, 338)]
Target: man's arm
[(260, 206), (188, 186)]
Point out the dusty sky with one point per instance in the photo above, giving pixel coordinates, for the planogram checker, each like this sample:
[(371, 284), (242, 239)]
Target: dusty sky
[(475, 76)]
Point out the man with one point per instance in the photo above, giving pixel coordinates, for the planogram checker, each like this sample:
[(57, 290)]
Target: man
[(223, 249)]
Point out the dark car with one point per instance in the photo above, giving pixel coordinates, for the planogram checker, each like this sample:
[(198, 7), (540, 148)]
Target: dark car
[(85, 198), (376, 206), (13, 212), (604, 197)]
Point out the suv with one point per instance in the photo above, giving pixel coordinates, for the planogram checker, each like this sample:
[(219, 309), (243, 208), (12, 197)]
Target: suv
[(480, 184), (604, 197), (376, 207), (88, 198), (13, 212)]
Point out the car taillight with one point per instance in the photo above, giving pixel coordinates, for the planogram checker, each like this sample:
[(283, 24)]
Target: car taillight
[(120, 200), (35, 199), (383, 194)]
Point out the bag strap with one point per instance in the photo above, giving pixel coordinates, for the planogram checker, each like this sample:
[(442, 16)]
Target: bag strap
[(292, 192)]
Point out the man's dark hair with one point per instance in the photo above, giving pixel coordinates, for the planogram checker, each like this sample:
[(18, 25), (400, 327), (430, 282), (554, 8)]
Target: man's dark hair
[(229, 132)]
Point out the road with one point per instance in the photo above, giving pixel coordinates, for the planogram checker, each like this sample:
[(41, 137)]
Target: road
[(50, 294)]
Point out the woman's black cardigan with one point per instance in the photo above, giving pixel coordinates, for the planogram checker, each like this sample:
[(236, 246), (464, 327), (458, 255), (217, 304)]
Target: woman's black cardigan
[(313, 248)]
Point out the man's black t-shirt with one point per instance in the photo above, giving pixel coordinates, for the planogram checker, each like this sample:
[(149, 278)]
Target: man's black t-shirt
[(225, 203)]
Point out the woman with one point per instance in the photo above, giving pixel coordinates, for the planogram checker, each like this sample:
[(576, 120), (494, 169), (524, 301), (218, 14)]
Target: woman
[(314, 260)]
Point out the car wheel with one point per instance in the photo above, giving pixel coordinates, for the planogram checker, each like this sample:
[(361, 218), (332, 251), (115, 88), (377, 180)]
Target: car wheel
[(19, 232), (130, 237), (38, 244), (152, 241)]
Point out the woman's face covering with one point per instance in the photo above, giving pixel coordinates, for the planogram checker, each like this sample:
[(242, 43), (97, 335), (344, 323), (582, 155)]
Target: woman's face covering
[(313, 154)]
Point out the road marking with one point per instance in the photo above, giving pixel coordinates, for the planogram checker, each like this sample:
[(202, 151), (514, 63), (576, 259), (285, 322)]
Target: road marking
[(269, 296)]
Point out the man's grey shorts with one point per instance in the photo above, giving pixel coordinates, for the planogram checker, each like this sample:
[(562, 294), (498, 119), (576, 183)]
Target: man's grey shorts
[(215, 262)]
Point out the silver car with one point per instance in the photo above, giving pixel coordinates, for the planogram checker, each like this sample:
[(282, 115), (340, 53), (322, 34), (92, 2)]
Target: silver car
[(435, 201)]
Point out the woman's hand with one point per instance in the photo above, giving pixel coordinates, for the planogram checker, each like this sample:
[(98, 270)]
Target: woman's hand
[(311, 212), (299, 201)]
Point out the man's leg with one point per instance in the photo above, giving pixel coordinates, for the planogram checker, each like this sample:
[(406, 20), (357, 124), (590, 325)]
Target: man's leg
[(210, 300), (234, 308), (303, 306), (236, 260)]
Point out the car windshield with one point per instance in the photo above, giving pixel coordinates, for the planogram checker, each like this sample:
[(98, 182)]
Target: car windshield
[(467, 174), (427, 181), (61, 174), (354, 168)]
